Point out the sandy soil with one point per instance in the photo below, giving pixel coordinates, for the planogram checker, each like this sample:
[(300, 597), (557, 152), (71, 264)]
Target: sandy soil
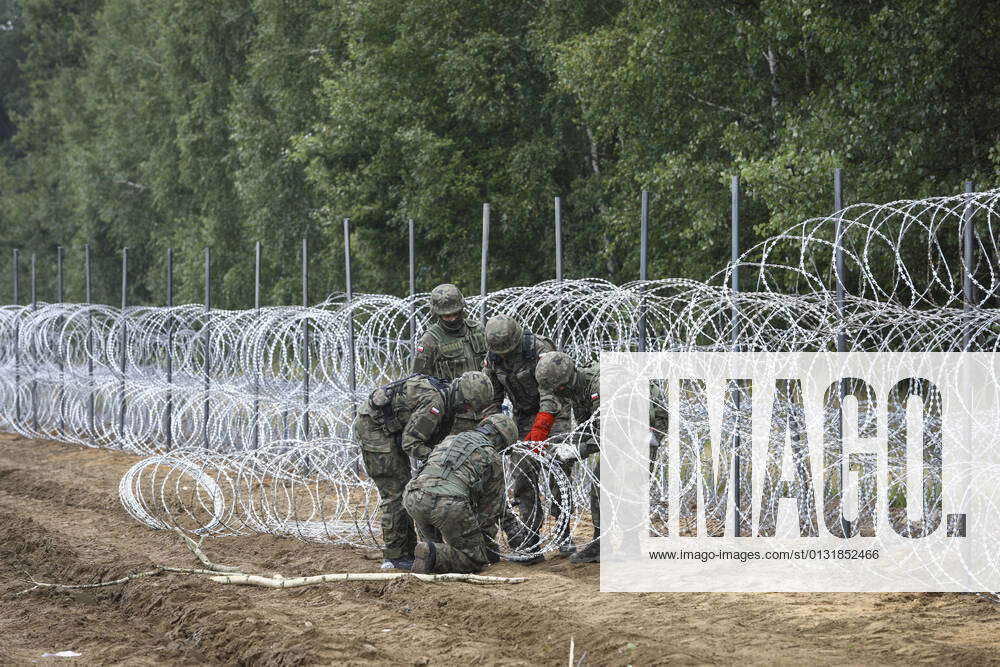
[(60, 520)]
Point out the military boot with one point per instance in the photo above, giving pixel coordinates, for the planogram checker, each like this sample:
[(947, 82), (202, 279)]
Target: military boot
[(567, 548), (424, 558), (591, 554)]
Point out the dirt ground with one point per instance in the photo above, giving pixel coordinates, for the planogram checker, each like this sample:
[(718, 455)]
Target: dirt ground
[(60, 520)]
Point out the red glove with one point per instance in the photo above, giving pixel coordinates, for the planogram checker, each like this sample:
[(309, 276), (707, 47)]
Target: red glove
[(540, 429)]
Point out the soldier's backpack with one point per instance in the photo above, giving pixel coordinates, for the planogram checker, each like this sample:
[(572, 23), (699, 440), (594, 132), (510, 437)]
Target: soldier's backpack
[(383, 399)]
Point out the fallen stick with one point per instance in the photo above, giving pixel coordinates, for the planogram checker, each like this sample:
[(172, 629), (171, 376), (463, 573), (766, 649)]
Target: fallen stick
[(241, 579), (160, 569), (200, 555), (281, 582), (233, 575), (42, 584)]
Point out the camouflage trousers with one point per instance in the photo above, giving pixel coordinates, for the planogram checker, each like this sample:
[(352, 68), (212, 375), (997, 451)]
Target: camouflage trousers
[(389, 468), (452, 526)]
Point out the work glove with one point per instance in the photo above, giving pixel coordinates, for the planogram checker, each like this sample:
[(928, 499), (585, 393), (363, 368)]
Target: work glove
[(540, 430)]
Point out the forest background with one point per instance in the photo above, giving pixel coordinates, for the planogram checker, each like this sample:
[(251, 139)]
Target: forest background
[(193, 123)]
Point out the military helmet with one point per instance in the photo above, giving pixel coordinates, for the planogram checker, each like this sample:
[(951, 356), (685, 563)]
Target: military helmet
[(554, 369), (447, 299), (475, 389), (505, 426), (503, 334)]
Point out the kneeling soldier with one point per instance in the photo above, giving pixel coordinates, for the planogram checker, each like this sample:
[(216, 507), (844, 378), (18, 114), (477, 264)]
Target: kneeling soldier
[(409, 418), (456, 499)]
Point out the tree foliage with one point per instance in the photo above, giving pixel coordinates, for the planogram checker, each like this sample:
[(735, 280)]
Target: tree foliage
[(189, 124)]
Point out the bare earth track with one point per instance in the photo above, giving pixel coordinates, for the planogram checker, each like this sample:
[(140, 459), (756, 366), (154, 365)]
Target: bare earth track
[(61, 521)]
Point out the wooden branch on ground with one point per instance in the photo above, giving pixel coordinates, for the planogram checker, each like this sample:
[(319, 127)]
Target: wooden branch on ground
[(200, 555), (233, 575), (281, 582)]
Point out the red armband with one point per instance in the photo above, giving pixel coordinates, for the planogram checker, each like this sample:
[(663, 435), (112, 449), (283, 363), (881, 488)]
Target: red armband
[(540, 429)]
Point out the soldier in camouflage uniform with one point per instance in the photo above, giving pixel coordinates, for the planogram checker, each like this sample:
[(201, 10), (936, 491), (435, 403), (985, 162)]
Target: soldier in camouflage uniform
[(407, 418), (456, 499), (452, 345), (510, 365), (560, 378)]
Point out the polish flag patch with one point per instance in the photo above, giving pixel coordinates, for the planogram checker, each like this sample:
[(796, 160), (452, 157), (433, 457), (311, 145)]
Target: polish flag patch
[(435, 411), (420, 348), (594, 397)]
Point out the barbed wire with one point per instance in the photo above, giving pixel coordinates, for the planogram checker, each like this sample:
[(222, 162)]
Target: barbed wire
[(243, 436)]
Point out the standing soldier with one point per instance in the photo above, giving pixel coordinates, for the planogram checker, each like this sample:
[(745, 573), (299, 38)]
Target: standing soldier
[(456, 499), (451, 346), (510, 365), (408, 418), (579, 387)]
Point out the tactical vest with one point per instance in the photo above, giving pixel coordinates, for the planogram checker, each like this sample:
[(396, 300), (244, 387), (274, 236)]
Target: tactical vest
[(518, 380), (438, 474), (458, 354), (385, 399)]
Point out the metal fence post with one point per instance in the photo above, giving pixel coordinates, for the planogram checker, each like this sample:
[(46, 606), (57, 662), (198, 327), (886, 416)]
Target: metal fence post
[(59, 353), (305, 336), (170, 348), (735, 277), (90, 337), (124, 339), (208, 338), (483, 264), (350, 297), (34, 347), (17, 336), (257, 371), (559, 272), (968, 261), (838, 205), (643, 275), (413, 288)]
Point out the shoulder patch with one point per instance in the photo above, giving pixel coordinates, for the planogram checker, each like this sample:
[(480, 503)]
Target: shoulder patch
[(435, 411), (594, 397), (420, 348)]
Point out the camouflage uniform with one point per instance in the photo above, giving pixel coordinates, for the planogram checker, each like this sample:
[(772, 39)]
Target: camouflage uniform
[(581, 391), (446, 350), (582, 401), (456, 499), (512, 371), (403, 419)]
